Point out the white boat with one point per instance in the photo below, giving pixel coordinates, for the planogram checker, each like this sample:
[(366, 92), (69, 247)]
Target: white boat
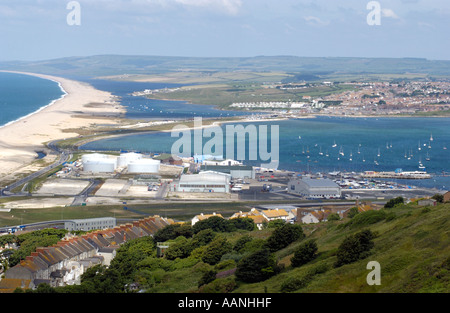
[(431, 137), (334, 145)]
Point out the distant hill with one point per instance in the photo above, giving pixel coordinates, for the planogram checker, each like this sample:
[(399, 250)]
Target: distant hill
[(108, 65)]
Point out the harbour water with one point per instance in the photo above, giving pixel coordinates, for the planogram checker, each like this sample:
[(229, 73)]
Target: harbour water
[(328, 144)]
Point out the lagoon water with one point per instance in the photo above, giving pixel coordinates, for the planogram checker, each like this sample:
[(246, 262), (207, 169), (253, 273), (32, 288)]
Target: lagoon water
[(21, 95)]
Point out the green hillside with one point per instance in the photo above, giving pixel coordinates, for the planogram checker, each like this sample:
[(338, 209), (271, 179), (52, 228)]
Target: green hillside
[(305, 68), (410, 242)]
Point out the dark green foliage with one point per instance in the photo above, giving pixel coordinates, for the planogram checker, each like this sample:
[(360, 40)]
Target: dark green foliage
[(284, 236), (202, 238), (294, 283), (305, 253), (207, 277), (218, 224), (173, 231), (240, 243), (180, 248), (257, 266), (215, 250), (352, 212), (354, 247), (243, 223), (215, 223), (393, 202), (438, 197), (367, 218), (333, 217)]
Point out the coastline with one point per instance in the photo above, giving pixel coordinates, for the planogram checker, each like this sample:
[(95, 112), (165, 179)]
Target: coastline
[(20, 139)]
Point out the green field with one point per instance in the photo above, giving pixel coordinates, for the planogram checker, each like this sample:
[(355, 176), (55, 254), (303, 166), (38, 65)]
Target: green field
[(224, 96)]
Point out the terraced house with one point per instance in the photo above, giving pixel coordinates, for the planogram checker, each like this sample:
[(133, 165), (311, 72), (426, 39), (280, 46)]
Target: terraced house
[(64, 263)]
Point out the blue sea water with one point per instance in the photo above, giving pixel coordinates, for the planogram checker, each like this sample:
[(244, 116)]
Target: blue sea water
[(21, 95)]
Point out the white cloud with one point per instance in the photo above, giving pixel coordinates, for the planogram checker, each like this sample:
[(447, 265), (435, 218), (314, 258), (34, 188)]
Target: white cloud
[(313, 20), (389, 13), (231, 7)]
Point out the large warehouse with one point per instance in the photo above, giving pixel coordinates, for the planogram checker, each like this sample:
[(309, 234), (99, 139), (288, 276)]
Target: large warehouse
[(208, 181), (236, 171), (314, 188)]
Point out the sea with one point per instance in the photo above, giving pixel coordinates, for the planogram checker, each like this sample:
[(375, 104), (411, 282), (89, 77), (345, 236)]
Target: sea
[(22, 95), (306, 145)]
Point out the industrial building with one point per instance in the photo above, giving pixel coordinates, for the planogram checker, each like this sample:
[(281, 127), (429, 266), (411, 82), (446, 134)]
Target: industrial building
[(207, 181), (236, 171), (90, 224), (99, 163), (103, 163), (314, 188)]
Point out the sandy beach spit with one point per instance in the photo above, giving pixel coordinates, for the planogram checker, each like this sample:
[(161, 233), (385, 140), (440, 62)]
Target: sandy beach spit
[(81, 107)]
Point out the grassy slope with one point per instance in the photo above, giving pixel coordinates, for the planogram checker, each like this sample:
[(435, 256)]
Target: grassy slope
[(411, 250)]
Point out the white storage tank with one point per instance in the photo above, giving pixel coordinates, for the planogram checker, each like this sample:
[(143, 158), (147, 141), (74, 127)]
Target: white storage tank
[(93, 156), (126, 158), (100, 165), (144, 166)]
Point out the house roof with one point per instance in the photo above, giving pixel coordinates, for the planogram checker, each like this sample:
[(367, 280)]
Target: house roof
[(273, 213)]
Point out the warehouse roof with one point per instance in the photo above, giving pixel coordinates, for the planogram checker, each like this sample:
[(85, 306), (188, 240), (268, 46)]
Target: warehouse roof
[(323, 182), (209, 176)]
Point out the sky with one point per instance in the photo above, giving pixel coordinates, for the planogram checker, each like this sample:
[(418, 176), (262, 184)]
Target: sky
[(33, 30)]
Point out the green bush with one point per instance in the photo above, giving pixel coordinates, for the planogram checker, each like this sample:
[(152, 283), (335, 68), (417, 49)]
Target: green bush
[(354, 247), (257, 267), (284, 236), (367, 218), (305, 253)]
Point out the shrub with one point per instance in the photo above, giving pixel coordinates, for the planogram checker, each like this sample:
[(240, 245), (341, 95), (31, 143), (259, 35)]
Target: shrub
[(257, 267), (367, 218), (284, 236), (215, 250), (393, 202), (354, 247), (305, 253)]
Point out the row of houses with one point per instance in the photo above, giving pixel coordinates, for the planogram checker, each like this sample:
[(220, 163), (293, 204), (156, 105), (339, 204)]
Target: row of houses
[(293, 214), (64, 263)]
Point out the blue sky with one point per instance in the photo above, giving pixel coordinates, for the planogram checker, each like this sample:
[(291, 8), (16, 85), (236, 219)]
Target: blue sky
[(38, 29)]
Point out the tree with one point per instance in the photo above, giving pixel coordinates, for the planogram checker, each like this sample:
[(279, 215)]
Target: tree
[(393, 202), (438, 197), (352, 212), (244, 223), (354, 247), (215, 223), (333, 217), (215, 250), (284, 236), (173, 231), (257, 266), (305, 253)]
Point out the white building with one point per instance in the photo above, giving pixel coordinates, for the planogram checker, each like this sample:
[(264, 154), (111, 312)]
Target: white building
[(90, 224), (314, 188), (103, 163), (207, 181)]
